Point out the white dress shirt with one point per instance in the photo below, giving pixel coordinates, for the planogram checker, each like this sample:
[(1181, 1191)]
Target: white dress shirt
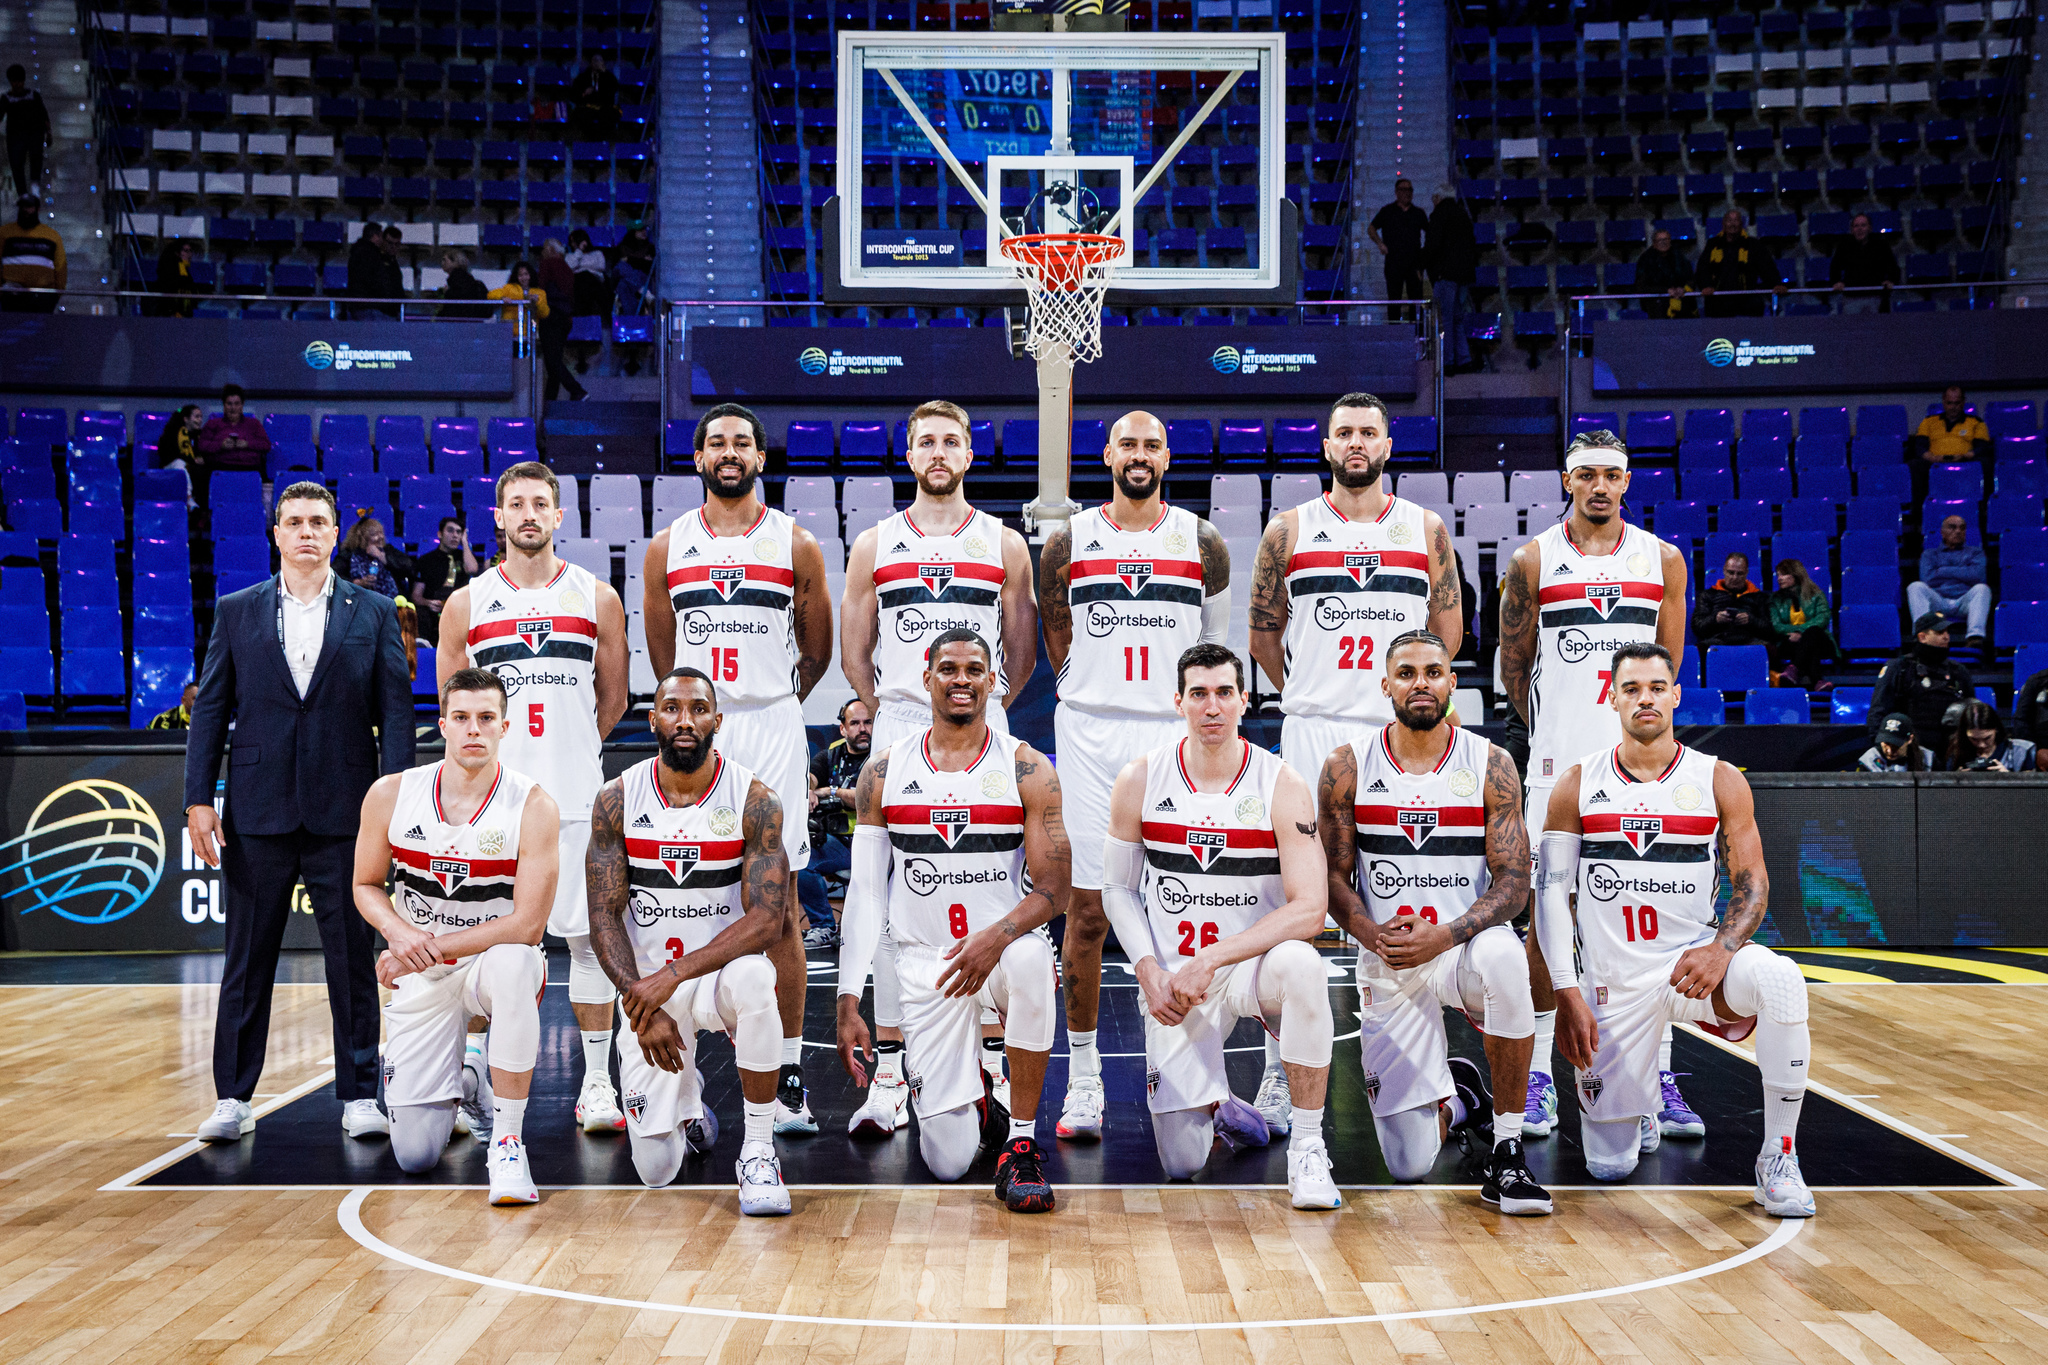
[(305, 630)]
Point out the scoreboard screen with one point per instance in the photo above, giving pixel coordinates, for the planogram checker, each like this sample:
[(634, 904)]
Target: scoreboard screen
[(984, 113)]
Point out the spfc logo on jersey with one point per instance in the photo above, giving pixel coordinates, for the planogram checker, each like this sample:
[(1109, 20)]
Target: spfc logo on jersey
[(727, 577), (636, 1103), (1590, 1086), (680, 859), (1603, 597), (1206, 844), (450, 872), (1418, 825), (950, 824), (1361, 567), (536, 633), (1641, 830), (935, 577), (1372, 1086), (1135, 575)]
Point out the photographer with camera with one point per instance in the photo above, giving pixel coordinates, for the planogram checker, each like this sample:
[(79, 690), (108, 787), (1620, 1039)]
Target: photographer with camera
[(1978, 743), (835, 772)]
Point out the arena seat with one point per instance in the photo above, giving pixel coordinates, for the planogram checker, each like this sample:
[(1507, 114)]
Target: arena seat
[(1776, 706), (1736, 668)]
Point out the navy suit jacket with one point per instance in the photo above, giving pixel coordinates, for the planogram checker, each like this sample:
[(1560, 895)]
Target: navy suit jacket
[(300, 761)]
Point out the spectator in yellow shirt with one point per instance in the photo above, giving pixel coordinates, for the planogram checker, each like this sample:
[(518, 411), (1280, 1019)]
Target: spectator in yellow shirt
[(1952, 436)]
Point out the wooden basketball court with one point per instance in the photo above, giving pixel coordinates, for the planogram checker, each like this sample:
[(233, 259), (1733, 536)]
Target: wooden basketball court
[(104, 1083)]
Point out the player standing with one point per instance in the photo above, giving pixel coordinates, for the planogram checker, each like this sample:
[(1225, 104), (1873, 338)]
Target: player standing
[(1336, 579), (556, 638), (950, 822), (736, 591), (1570, 598), (1142, 582), (938, 565), (1215, 882), (688, 889), (1429, 860), (1633, 830), (470, 847)]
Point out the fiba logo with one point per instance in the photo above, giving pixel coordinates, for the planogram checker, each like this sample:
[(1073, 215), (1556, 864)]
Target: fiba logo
[(811, 360), (92, 853), (319, 355), (1227, 359), (1720, 351)]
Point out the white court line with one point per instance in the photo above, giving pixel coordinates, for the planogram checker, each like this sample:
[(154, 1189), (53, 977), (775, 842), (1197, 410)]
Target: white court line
[(177, 1154), (350, 1215)]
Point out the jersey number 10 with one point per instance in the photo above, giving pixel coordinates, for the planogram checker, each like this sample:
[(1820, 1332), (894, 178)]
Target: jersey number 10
[(1640, 920)]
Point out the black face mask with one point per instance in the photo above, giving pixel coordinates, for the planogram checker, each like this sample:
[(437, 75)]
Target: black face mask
[(25, 220), (1932, 654)]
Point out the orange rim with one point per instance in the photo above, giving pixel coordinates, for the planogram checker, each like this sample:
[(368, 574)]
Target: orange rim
[(1061, 257)]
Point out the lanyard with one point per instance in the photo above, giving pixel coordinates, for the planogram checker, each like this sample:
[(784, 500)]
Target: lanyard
[(328, 605)]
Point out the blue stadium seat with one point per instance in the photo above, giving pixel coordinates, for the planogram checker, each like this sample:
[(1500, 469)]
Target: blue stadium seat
[(2011, 419), (1827, 427), (1707, 485), (1810, 548), (288, 426), (1191, 437), (236, 485), (402, 461), (1647, 487), (2020, 623), (1955, 482), (1870, 585), (363, 492), (339, 428), (1808, 514), (1891, 482), (1020, 440), (159, 624), (1935, 511), (1776, 706), (159, 520), (1652, 431), (463, 464), (2023, 582), (242, 554), (2025, 477), (1737, 668), (1870, 548), (1873, 514), (160, 485), (98, 519), (1724, 543), (1746, 518), (93, 673), (13, 711), (1242, 441), (1090, 435), (517, 433), (161, 673), (407, 430), (864, 445), (1699, 706), (1868, 629), (37, 427), (808, 444), (2028, 660), (239, 519), (2023, 547), (38, 517), (1414, 434), (2012, 512), (1709, 424), (1703, 454), (1850, 705), (1886, 420), (27, 669), (1769, 483), (1773, 423), (1680, 522)]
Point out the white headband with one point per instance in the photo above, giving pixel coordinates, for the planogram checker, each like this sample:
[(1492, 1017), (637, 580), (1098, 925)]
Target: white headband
[(1607, 457)]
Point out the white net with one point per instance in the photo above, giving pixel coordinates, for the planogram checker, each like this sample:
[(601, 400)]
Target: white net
[(1066, 275)]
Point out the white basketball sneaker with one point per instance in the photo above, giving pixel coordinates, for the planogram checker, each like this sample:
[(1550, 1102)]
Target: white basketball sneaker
[(597, 1108), (762, 1193), (1650, 1136), (887, 1109), (1275, 1102), (1308, 1178), (701, 1134), (362, 1118), (1081, 1113), (1780, 1187), (229, 1120), (511, 1182), (477, 1110)]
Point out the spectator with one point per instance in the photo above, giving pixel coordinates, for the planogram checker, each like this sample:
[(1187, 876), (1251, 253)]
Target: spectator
[(520, 285), (1977, 742), (28, 130), (1799, 626), (366, 277), (463, 285), (633, 261), (439, 572), (363, 556), (592, 295), (178, 448), (1951, 580), (1397, 230), (594, 102), (31, 257), (394, 286), (1923, 682), (1895, 749), (835, 771), (1955, 435), (559, 284), (1734, 611), (1861, 261), (174, 280), (1452, 257), (235, 439), (2030, 708), (178, 717), (1734, 260), (1664, 270)]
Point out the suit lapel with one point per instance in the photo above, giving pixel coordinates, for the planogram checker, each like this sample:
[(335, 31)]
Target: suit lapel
[(338, 613), (267, 610)]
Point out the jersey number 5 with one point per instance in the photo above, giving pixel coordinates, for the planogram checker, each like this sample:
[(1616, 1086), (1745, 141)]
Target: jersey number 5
[(1354, 651), (536, 718)]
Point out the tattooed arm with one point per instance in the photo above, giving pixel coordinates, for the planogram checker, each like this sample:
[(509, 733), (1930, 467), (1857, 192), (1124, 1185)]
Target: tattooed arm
[(1699, 970), (1215, 583), (1055, 613), (1268, 608), (811, 611), (1411, 940), (764, 890), (1048, 860), (1337, 816), (1446, 598), (1518, 617)]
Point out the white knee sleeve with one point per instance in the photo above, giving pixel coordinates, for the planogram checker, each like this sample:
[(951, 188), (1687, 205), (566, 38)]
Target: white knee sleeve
[(508, 981), (658, 1158), (1612, 1149), (419, 1132), (588, 985), (1494, 975), (1025, 992), (1292, 983), (1759, 982), (1183, 1137), (948, 1141), (1410, 1140), (888, 987), (747, 1006)]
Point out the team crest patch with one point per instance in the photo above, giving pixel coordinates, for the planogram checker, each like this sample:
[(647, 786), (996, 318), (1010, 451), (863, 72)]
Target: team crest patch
[(1687, 797), (1639, 564), (1372, 1086), (1176, 543), (1206, 845), (490, 842), (390, 1070), (724, 821), (451, 873), (728, 577), (680, 859), (915, 1080), (935, 577), (1418, 825), (536, 633), (1590, 1086), (767, 550), (1135, 574), (977, 547), (1464, 782), (992, 784), (1151, 1082), (951, 823), (571, 600), (1360, 566), (1603, 597), (1251, 811), (636, 1103), (1641, 830), (1401, 533), (1599, 995)]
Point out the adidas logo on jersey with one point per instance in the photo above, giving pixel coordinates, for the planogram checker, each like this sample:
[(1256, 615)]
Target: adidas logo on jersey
[(690, 553), (1093, 547), (416, 833), (494, 608), (1377, 786), (913, 789), (899, 548), (642, 822), (1322, 538), (1167, 804), (1597, 799), (1561, 571)]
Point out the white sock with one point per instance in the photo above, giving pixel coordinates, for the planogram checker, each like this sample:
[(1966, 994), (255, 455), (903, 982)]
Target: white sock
[(1082, 1058), (1664, 1051), (793, 1051), (508, 1117), (597, 1055), (1784, 1054), (760, 1122), (1305, 1128), (992, 1056), (889, 1063), (1546, 1042), (1273, 1062), (1459, 1113), (1023, 1128), (1506, 1126)]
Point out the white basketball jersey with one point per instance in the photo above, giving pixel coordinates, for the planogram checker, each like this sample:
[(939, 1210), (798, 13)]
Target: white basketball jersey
[(1587, 607), (1212, 865), (444, 876), (682, 862), (1646, 868), (956, 841), (1351, 587), (1421, 836), (542, 644), (1136, 597), (928, 584), (734, 601)]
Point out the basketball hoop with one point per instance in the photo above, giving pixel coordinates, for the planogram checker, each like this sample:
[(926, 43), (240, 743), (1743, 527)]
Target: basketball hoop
[(1066, 274)]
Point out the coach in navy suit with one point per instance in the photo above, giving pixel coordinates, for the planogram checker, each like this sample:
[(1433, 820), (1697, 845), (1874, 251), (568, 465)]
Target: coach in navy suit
[(312, 670)]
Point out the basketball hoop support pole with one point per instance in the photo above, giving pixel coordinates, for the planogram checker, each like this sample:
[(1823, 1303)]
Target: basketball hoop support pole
[(1053, 507)]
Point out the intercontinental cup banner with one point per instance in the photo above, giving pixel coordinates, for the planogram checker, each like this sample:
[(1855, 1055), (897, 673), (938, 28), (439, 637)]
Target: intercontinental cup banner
[(70, 353), (1736, 357), (840, 364)]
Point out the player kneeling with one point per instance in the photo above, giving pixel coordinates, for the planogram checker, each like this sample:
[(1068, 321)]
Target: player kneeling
[(948, 823), (1214, 883), (1429, 860), (1633, 831), (688, 888), (470, 849)]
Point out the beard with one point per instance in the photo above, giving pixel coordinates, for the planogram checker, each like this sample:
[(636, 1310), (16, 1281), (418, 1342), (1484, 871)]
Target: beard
[(528, 539), (1349, 478), (860, 746), (678, 759), (939, 481), (1134, 491), (1421, 724), (735, 489)]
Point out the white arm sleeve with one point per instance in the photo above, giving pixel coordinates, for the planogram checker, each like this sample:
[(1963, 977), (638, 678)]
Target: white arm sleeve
[(1216, 618), (1123, 870), (867, 893), (1557, 872)]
